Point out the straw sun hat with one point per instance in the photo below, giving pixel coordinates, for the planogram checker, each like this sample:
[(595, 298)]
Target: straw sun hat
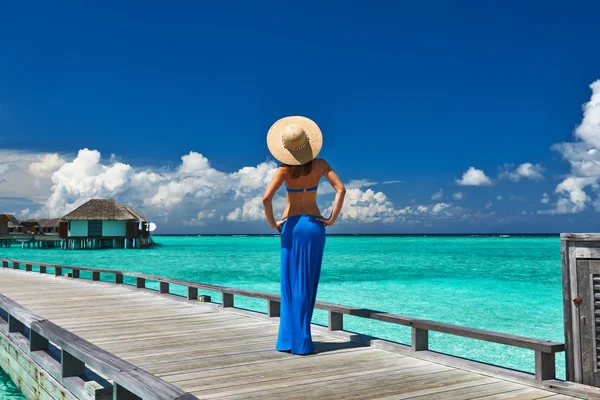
[(294, 140)]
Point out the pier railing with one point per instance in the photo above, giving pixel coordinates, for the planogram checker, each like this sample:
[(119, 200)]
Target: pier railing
[(545, 363), (34, 335)]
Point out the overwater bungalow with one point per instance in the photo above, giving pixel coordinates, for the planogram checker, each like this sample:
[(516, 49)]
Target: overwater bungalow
[(50, 225), (103, 223), (30, 226), (13, 224)]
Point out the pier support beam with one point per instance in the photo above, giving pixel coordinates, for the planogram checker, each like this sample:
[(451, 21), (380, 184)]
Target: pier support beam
[(420, 339), (227, 300), (336, 321), (274, 308), (163, 287), (192, 293), (544, 366), (71, 365)]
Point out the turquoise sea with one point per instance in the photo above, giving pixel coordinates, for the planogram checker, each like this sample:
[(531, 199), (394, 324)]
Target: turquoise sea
[(506, 284)]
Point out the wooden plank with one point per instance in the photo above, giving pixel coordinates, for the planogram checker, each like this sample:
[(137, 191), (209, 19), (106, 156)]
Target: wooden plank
[(349, 385), (572, 262), (580, 236), (567, 313), (520, 394), (462, 390), (278, 373)]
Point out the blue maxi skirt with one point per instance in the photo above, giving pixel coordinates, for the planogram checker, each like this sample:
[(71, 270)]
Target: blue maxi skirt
[(302, 245)]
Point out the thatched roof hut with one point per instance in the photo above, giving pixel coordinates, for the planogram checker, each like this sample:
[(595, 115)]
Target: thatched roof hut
[(104, 210), (12, 219), (101, 223), (48, 222)]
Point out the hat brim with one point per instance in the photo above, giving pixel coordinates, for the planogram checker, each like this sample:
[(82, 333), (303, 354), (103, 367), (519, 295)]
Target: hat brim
[(308, 153)]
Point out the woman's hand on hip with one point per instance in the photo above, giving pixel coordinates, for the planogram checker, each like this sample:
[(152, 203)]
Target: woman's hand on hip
[(279, 224), (326, 222)]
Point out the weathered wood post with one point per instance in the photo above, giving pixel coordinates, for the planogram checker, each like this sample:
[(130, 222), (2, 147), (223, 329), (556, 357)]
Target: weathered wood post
[(227, 300), (163, 287), (420, 339), (274, 308), (335, 321), (580, 255), (192, 293)]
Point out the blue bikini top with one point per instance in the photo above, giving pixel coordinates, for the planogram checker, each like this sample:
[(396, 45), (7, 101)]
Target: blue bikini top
[(311, 189)]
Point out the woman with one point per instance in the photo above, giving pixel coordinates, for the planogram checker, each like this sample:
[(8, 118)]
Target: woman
[(296, 141)]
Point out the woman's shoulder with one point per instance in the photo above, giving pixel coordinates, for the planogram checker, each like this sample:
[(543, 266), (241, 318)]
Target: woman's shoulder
[(322, 164)]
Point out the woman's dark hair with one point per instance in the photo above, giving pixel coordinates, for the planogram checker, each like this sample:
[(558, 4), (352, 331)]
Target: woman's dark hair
[(296, 171)]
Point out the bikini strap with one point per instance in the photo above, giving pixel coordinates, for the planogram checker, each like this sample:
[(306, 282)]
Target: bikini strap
[(311, 189)]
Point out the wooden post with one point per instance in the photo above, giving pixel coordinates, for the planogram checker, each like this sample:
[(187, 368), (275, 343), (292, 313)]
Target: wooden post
[(70, 365), (37, 341), (140, 283), (14, 325), (42, 269), (192, 293), (95, 275), (57, 271), (28, 267), (420, 339), (273, 308), (336, 321), (545, 367), (76, 273), (120, 393), (163, 287), (118, 278), (227, 300)]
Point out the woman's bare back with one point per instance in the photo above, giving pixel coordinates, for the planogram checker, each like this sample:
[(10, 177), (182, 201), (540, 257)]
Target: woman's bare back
[(305, 202)]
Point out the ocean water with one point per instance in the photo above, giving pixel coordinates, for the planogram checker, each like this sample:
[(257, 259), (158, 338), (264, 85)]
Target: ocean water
[(505, 284)]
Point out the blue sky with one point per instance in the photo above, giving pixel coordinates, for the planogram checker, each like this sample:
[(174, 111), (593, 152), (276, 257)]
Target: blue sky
[(410, 92)]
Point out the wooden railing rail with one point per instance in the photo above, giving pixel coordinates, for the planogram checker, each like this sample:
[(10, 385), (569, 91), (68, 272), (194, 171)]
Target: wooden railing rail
[(545, 363), (33, 334)]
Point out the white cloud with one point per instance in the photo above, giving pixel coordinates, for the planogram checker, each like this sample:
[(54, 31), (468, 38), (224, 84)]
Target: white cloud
[(48, 164), (545, 199), (439, 207), (193, 193), (474, 177), (437, 195), (488, 204), (4, 168), (25, 212), (498, 197), (584, 157), (458, 196), (524, 171)]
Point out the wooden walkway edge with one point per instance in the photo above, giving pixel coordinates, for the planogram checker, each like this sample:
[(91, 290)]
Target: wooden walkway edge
[(156, 345)]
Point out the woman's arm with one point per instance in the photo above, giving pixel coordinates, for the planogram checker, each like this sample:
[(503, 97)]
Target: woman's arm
[(272, 188), (340, 193)]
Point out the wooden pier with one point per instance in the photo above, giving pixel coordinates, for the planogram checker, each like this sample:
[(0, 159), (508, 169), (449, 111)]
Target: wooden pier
[(40, 241), (69, 337)]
